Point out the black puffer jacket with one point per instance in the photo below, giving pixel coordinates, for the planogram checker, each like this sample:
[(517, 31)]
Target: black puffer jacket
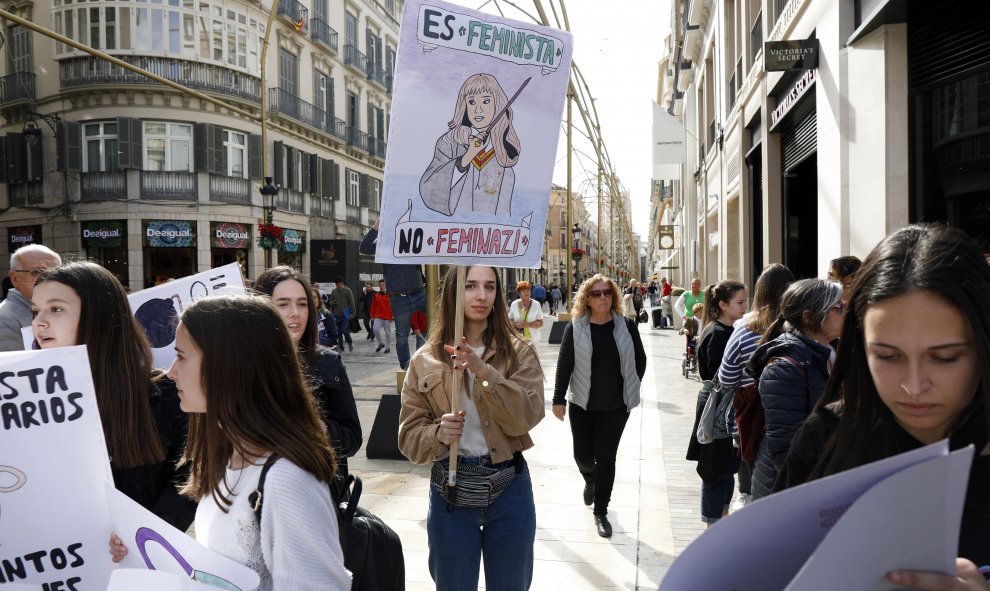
[(787, 398), (332, 389)]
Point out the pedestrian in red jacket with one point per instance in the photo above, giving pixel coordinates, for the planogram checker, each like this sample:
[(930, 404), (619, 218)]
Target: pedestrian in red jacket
[(381, 317)]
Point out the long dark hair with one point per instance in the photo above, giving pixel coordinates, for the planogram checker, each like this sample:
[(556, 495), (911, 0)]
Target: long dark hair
[(261, 402), (932, 258), (120, 360), (266, 284), (716, 294), (815, 296), (770, 286), (499, 333)]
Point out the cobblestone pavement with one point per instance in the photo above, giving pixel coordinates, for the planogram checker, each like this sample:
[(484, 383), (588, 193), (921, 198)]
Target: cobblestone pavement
[(655, 505)]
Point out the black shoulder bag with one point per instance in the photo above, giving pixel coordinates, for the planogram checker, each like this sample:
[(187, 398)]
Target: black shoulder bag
[(372, 550)]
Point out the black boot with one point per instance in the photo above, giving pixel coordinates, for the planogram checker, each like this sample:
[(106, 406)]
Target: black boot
[(604, 527)]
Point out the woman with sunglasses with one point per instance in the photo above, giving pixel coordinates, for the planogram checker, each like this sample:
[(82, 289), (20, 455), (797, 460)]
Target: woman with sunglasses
[(599, 368), (792, 365)]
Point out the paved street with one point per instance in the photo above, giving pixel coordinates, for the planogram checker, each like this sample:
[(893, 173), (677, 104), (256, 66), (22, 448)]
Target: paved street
[(655, 503)]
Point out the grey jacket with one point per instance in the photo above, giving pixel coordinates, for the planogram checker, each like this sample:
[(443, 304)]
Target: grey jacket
[(15, 314)]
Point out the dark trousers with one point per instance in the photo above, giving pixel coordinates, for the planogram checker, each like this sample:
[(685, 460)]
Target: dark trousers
[(367, 326), (745, 477), (596, 441), (344, 328)]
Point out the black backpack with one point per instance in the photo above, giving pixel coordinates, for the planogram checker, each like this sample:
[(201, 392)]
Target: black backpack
[(372, 550)]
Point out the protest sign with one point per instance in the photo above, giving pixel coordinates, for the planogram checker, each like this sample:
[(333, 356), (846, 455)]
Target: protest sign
[(54, 518), (789, 539), (155, 545), (475, 119), (157, 308)]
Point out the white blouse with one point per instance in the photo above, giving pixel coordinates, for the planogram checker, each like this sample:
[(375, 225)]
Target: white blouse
[(297, 546)]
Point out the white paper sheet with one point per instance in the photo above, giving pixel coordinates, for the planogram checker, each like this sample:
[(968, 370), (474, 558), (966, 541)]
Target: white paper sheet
[(908, 521), (763, 546)]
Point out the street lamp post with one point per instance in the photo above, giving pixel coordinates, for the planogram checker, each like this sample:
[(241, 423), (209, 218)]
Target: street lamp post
[(576, 234), (268, 193)]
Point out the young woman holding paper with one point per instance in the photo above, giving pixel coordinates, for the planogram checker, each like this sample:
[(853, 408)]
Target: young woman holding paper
[(491, 511), (84, 304), (323, 368), (913, 367), (241, 414)]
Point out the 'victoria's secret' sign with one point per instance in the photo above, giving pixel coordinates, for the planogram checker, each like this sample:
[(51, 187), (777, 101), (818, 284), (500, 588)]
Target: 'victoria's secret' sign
[(781, 56)]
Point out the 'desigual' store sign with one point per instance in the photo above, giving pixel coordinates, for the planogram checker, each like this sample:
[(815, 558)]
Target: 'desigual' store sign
[(229, 235)]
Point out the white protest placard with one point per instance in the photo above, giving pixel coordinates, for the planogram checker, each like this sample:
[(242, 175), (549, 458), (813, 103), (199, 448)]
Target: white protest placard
[(474, 126), (765, 545), (155, 545), (157, 308), (54, 469)]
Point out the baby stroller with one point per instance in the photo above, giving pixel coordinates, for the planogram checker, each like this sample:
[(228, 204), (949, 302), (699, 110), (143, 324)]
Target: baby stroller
[(690, 331)]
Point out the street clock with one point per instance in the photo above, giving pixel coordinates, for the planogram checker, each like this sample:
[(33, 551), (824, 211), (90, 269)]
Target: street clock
[(666, 237)]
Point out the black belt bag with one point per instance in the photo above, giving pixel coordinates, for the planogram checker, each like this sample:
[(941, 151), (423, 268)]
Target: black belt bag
[(477, 486)]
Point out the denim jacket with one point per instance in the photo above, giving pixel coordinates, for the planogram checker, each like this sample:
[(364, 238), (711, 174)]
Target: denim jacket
[(509, 406)]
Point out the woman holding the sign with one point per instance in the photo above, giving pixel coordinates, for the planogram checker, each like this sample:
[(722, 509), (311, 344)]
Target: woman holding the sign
[(491, 511), (913, 367), (84, 304), (289, 291)]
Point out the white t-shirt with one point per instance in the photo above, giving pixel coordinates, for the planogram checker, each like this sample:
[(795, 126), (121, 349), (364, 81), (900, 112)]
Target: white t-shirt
[(535, 313), (297, 547)]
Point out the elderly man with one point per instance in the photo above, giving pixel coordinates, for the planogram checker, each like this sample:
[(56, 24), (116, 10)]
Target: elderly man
[(15, 312)]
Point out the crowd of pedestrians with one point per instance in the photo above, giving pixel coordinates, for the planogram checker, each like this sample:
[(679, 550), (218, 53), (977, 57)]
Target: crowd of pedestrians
[(881, 357)]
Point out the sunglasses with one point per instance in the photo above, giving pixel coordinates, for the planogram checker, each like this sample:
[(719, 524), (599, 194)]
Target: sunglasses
[(597, 293)]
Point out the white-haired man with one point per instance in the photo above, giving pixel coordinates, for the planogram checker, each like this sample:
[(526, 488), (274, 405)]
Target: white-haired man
[(15, 312)]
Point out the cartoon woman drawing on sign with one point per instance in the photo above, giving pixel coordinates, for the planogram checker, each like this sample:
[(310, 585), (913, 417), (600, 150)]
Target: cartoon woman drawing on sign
[(472, 164)]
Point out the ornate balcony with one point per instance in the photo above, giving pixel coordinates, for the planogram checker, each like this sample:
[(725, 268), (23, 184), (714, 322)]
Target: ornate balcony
[(103, 186), (15, 87), (90, 71), (376, 73), (230, 189), (178, 185), (324, 33), (280, 101), (295, 12), (376, 147), (355, 59), (357, 138)]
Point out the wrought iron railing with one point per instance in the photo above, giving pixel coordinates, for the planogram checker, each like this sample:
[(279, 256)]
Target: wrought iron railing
[(357, 138), (376, 147), (376, 73), (354, 58), (17, 86), (280, 101), (353, 214), (101, 186), (230, 189), (324, 33), (388, 82), (87, 71), (296, 12), (179, 185), (289, 200), (26, 194)]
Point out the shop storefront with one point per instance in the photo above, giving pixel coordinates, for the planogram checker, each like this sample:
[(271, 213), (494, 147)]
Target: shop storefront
[(229, 243), (795, 119), (18, 236), (295, 248), (105, 242), (340, 258), (169, 250)]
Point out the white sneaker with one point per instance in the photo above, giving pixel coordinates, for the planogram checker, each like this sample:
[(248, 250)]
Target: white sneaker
[(740, 502)]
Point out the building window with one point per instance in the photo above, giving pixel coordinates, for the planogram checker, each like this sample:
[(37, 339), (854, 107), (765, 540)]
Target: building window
[(235, 144), (168, 146), (288, 71), (376, 195), (20, 49), (100, 147), (353, 188), (213, 32)]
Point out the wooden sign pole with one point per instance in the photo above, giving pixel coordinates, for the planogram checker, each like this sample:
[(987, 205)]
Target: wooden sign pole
[(455, 378)]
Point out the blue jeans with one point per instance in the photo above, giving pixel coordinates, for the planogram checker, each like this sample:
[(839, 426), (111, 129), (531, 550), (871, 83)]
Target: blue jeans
[(402, 308), (715, 497), (504, 533), (343, 330)]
